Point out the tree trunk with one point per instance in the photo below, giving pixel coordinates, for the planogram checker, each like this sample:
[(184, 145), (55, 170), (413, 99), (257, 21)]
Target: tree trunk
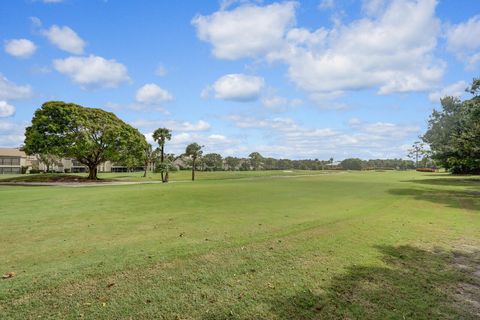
[(146, 168), (48, 167), (193, 170), (161, 161), (166, 177), (92, 172)]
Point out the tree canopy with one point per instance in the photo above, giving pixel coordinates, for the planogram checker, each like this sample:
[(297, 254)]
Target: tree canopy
[(89, 135), (454, 133)]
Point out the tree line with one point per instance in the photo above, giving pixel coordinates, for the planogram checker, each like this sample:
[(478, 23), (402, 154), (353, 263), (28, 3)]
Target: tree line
[(93, 136)]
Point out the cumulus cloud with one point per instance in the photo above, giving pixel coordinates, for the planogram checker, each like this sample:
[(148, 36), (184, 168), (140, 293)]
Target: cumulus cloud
[(20, 48), (152, 94), (11, 91), (6, 110), (456, 89), (65, 39), (386, 51), (246, 31), (463, 40), (236, 87), (92, 71)]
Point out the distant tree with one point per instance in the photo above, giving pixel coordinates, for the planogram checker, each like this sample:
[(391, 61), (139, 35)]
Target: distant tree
[(232, 163), (161, 135), (213, 161), (91, 136), (417, 151), (256, 160), (150, 156), (194, 151), (352, 164)]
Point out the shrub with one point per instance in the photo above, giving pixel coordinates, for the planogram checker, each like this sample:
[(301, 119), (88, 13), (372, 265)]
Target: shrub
[(425, 170)]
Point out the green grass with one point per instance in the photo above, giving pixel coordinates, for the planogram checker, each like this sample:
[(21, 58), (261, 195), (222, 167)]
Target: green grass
[(183, 175), (363, 245)]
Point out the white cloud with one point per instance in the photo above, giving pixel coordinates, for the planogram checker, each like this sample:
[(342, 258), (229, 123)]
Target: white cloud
[(456, 89), (326, 4), (464, 40), (11, 133), (11, 91), (152, 94), (92, 71), (386, 52), (161, 70), (36, 22), (278, 103), (65, 39), (20, 48), (6, 110), (352, 122), (246, 31), (286, 137), (237, 87), (174, 125), (373, 7), (40, 69)]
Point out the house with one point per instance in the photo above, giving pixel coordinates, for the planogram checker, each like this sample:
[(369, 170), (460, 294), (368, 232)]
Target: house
[(14, 161)]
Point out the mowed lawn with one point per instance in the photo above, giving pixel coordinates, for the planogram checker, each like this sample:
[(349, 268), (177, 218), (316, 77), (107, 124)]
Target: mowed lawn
[(354, 245)]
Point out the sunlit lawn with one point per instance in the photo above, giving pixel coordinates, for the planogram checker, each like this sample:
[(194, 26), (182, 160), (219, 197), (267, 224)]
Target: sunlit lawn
[(364, 245)]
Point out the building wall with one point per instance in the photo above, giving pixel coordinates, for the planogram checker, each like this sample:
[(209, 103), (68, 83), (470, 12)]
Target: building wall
[(12, 160)]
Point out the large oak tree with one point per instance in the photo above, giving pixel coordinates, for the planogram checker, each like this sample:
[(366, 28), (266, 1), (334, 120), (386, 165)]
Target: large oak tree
[(89, 135)]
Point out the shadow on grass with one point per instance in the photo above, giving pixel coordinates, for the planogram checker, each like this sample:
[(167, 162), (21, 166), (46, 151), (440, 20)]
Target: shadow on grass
[(468, 199), (461, 182), (413, 284)]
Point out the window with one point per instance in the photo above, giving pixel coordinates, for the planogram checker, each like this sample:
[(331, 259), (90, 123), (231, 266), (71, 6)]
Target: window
[(10, 161)]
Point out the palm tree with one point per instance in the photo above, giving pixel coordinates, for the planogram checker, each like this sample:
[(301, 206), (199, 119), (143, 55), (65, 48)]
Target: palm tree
[(161, 135), (194, 150)]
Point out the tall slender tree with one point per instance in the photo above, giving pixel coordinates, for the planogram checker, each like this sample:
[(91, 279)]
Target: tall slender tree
[(416, 152), (194, 151), (161, 135), (150, 155)]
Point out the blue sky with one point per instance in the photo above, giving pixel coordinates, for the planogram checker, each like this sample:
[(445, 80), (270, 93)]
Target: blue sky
[(306, 79)]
